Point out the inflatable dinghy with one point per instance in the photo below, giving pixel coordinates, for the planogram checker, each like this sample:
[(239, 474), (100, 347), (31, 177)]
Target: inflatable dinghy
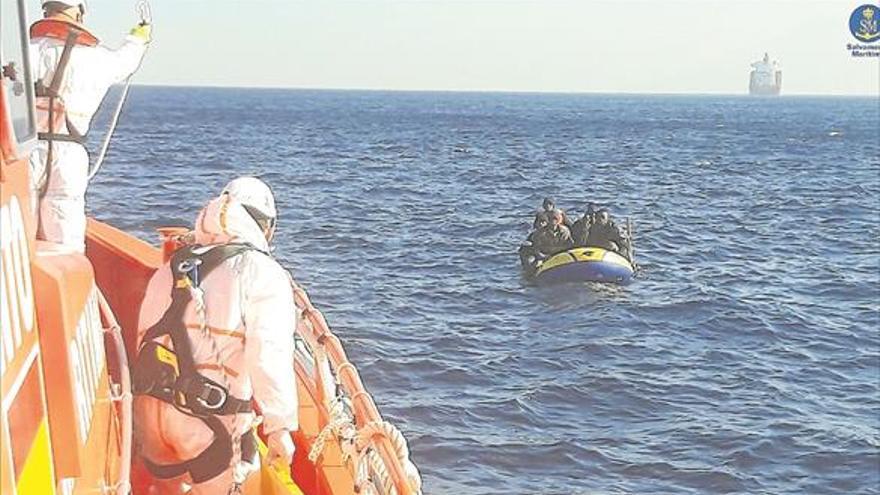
[(583, 264)]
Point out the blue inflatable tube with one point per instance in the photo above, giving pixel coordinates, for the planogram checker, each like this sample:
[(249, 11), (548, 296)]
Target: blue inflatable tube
[(585, 264)]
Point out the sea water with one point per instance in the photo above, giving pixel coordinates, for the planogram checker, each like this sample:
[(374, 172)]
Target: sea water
[(744, 358)]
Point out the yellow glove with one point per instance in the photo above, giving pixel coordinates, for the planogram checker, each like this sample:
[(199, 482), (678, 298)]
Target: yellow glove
[(143, 32)]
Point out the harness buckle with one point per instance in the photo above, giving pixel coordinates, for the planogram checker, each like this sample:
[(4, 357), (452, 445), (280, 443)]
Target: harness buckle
[(190, 267), (210, 390)]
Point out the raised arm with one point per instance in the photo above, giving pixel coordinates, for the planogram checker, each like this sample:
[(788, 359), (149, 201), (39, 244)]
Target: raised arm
[(115, 65)]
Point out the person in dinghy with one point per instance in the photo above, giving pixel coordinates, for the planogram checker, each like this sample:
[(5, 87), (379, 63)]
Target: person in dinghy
[(595, 248)]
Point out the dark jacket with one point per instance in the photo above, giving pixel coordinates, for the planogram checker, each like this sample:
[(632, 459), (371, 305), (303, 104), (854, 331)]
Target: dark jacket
[(605, 236), (549, 242), (580, 231)]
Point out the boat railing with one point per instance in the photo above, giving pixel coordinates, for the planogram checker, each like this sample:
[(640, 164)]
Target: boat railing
[(120, 394), (374, 450)]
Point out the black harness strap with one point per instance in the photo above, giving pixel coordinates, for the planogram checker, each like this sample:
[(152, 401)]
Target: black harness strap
[(210, 463), (188, 266), (204, 467), (193, 394), (51, 92), (73, 137), (58, 76)]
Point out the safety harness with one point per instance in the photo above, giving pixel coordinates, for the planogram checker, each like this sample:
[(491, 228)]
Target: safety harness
[(48, 97), (171, 376)]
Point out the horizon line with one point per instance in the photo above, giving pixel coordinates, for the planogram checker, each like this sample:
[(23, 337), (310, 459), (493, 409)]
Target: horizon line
[(499, 91)]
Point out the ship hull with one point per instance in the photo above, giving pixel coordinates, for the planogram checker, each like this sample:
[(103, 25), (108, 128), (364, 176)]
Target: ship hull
[(762, 83)]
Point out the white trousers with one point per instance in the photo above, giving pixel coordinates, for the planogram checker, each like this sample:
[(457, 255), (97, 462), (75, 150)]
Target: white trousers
[(62, 211)]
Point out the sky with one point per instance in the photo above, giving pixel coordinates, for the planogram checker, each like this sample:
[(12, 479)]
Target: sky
[(668, 46)]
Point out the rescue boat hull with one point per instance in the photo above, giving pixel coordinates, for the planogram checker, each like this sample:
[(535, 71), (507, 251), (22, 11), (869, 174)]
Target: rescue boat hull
[(589, 264), (123, 266)]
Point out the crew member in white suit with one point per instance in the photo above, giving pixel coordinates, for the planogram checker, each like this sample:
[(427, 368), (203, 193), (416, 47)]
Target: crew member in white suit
[(65, 106), (240, 325)]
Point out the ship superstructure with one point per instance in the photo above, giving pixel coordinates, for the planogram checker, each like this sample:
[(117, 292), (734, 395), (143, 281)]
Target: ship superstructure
[(766, 78)]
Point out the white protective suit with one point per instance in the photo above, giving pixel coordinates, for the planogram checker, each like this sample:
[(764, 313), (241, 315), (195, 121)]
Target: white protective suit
[(249, 346), (91, 71)]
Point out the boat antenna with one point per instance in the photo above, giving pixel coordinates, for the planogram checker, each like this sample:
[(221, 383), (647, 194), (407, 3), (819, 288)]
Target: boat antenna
[(146, 15)]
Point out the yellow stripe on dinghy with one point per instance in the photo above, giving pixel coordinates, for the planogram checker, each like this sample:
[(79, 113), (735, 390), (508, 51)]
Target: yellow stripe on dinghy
[(583, 254)]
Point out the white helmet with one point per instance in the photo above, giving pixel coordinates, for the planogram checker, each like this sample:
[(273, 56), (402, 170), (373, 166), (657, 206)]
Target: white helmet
[(70, 3), (253, 194)]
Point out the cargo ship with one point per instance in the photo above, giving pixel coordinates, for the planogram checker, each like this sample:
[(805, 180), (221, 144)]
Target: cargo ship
[(766, 78), (68, 326)]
